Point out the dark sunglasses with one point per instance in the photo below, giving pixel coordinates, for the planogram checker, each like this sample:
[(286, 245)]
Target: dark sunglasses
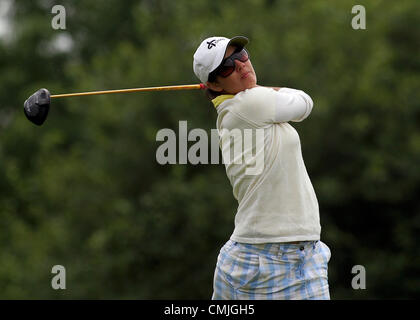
[(226, 68)]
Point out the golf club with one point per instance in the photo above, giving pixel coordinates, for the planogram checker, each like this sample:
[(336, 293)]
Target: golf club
[(36, 107)]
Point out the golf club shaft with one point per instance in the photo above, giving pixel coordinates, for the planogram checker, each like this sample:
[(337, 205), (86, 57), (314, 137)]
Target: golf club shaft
[(165, 88)]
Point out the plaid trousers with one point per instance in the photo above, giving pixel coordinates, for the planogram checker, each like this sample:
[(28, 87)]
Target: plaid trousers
[(281, 271)]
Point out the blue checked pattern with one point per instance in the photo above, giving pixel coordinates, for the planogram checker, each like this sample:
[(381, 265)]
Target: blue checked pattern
[(280, 271)]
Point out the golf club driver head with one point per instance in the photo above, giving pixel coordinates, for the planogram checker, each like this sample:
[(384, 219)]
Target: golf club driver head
[(36, 107)]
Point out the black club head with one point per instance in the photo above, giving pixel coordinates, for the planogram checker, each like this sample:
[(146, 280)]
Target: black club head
[(36, 107)]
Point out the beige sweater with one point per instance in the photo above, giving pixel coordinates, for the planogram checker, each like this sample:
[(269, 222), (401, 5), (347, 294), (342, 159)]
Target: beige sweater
[(276, 200)]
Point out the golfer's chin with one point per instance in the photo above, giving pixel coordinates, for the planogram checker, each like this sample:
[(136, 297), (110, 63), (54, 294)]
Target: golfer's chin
[(242, 84), (250, 81)]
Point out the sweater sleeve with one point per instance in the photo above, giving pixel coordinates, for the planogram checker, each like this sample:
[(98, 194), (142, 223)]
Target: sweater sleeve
[(292, 105), (262, 106)]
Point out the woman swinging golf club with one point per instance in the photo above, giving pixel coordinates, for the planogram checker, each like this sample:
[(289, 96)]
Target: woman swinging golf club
[(275, 250)]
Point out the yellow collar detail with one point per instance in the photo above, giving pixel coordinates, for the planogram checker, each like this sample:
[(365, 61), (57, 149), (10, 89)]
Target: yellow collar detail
[(219, 99)]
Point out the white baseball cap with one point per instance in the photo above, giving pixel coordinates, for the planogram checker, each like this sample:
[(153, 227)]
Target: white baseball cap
[(210, 54)]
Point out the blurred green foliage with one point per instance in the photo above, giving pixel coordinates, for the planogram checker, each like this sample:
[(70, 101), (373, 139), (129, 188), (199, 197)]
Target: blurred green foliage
[(85, 190)]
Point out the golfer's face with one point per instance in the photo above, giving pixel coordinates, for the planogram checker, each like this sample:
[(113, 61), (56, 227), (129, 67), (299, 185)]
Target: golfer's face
[(243, 77)]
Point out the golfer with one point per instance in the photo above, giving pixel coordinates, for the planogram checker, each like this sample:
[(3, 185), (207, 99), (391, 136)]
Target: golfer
[(275, 250)]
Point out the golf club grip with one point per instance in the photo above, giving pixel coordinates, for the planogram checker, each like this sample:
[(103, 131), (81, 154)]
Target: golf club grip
[(165, 88)]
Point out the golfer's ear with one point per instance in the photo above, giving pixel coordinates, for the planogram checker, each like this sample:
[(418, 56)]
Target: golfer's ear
[(215, 86)]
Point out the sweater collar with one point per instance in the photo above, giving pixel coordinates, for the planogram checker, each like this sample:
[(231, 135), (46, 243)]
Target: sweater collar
[(219, 99)]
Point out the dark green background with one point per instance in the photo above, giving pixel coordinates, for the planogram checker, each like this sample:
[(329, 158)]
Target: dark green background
[(85, 191)]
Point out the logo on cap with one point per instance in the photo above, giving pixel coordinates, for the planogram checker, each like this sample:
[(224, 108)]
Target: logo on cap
[(211, 44)]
